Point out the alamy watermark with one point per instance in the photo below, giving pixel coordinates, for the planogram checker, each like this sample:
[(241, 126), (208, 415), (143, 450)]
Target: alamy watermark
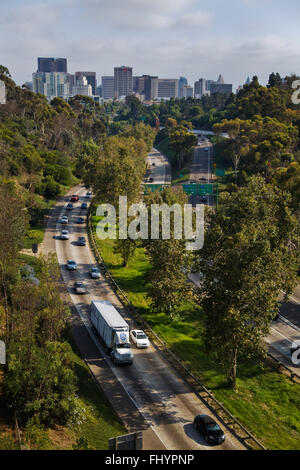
[(296, 94), (295, 350), (188, 224)]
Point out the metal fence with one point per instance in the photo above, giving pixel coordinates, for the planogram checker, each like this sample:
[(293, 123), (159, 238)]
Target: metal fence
[(240, 432)]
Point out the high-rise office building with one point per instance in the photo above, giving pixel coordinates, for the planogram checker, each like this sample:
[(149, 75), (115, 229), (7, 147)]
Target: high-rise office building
[(50, 64), (181, 83), (51, 84), (2, 92), (187, 91), (82, 87), (220, 80), (147, 86), (200, 88), (224, 88), (108, 87), (99, 91), (167, 88), (123, 85), (91, 79)]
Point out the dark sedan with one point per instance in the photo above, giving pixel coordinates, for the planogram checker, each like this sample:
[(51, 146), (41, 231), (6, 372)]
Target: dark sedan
[(210, 430), (81, 241), (79, 288)]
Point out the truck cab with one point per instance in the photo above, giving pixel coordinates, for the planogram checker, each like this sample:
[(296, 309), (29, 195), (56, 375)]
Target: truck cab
[(121, 352)]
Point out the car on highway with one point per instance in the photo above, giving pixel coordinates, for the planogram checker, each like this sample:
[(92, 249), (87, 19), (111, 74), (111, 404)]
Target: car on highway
[(150, 180), (71, 265), (88, 195), (202, 178), (64, 220), (74, 198), (153, 164), (81, 241), (69, 206), (209, 429), (80, 288), (204, 199), (80, 220), (139, 338), (206, 149), (95, 272), (84, 205), (64, 235)]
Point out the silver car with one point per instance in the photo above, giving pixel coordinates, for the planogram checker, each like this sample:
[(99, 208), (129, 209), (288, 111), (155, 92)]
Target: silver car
[(95, 272), (64, 235), (71, 265)]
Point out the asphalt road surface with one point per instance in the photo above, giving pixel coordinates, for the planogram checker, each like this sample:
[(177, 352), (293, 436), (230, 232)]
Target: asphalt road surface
[(159, 168), (166, 404), (201, 168)]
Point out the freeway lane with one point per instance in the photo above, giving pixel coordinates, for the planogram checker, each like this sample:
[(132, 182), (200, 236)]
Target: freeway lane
[(201, 168), (159, 169), (166, 402)]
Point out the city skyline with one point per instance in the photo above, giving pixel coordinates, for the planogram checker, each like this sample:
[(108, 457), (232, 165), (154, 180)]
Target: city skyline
[(161, 38)]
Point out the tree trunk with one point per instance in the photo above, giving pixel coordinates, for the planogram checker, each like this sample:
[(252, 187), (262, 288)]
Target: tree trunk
[(232, 370)]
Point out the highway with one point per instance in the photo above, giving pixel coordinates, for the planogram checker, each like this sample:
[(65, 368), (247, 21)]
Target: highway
[(166, 404), (201, 168), (159, 170)]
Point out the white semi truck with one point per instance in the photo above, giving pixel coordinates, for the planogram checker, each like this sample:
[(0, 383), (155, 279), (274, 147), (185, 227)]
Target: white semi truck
[(113, 330)]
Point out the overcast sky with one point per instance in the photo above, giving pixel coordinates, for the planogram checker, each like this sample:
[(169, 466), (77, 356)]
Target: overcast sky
[(169, 38)]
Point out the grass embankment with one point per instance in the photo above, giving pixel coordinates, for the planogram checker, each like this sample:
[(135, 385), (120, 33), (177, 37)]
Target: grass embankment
[(178, 175), (266, 402), (96, 421)]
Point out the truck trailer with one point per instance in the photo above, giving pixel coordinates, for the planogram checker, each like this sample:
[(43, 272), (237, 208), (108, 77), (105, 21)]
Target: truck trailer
[(113, 330)]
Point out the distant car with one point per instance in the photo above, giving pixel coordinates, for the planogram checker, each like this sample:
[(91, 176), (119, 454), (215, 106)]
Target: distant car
[(150, 180), (84, 205), (64, 220), (69, 206), (81, 241), (140, 339), (206, 149), (89, 193), (153, 164), (79, 288), (95, 272), (202, 178), (204, 199), (71, 265), (64, 235), (80, 220), (210, 430), (74, 198)]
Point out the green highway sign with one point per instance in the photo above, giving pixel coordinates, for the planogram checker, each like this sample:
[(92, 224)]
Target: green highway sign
[(190, 188)]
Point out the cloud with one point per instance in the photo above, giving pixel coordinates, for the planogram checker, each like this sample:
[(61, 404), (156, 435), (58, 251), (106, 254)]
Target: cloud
[(29, 19)]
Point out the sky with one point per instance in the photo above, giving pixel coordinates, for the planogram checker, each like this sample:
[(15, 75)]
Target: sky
[(168, 38)]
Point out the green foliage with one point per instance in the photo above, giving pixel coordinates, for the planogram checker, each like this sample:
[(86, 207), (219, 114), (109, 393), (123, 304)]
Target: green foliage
[(250, 255)]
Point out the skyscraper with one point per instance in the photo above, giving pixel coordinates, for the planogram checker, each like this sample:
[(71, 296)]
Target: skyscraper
[(108, 87), (200, 88), (181, 83), (123, 84), (167, 88), (51, 84), (82, 87), (50, 64), (187, 91), (91, 79), (146, 85)]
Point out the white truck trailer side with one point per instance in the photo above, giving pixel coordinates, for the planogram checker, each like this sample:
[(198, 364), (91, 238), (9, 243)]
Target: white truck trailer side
[(113, 330)]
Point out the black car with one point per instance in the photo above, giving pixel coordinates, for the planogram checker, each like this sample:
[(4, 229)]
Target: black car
[(69, 206), (80, 220), (81, 241), (210, 430), (84, 205), (79, 288)]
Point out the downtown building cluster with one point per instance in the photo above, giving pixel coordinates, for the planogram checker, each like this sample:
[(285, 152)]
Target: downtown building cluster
[(53, 80)]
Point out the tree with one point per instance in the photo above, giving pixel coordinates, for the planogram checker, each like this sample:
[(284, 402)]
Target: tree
[(169, 259), (250, 255)]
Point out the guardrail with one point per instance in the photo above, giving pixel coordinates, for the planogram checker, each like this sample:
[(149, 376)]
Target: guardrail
[(239, 431)]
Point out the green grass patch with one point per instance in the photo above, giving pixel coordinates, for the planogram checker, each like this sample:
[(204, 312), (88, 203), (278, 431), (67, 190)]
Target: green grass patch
[(266, 402)]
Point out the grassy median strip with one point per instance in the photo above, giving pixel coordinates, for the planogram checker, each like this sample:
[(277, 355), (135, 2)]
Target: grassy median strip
[(265, 401)]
